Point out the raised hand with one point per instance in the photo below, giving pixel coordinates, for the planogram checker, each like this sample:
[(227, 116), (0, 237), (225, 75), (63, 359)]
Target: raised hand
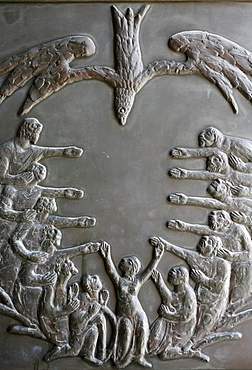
[(238, 217), (156, 276), (105, 249), (176, 225), (72, 152), (224, 253), (94, 247), (104, 297), (236, 163), (158, 251), (49, 278), (86, 221), (178, 153), (73, 305), (24, 178), (198, 276), (72, 193), (28, 215), (94, 309), (178, 173), (178, 198)]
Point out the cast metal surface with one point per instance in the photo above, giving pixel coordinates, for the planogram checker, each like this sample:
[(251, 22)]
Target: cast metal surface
[(219, 60), (71, 305)]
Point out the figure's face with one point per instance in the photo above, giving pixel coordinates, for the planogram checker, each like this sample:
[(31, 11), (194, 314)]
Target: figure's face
[(216, 163), (173, 277), (219, 189), (68, 268), (95, 282), (206, 139), (128, 265), (33, 130), (205, 246), (218, 220)]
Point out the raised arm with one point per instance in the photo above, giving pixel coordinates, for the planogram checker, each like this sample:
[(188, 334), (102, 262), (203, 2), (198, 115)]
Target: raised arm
[(185, 226), (162, 288), (111, 270), (230, 256), (69, 193), (183, 153), (238, 164), (157, 254), (183, 199), (64, 222), (181, 173), (168, 247), (86, 248), (66, 151)]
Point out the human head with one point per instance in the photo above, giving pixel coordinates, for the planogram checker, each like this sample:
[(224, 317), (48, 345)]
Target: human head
[(217, 162), (130, 265), (30, 130), (208, 245), (220, 189), (91, 283), (46, 205), (219, 220), (51, 239), (178, 275), (66, 267), (210, 137)]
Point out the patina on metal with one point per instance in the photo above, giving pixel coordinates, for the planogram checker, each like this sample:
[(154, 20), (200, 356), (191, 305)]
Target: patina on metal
[(63, 301)]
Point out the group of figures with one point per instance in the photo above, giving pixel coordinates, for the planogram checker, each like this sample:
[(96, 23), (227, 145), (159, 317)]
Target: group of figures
[(220, 265), (74, 316), (35, 271)]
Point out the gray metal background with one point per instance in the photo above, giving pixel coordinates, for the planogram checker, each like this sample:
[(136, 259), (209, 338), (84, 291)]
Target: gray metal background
[(124, 169)]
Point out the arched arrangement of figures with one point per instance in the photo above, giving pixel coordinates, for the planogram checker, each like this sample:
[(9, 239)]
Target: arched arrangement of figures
[(220, 265), (36, 286)]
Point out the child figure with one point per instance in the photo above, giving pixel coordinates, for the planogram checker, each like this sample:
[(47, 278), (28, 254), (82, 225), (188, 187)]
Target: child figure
[(132, 327)]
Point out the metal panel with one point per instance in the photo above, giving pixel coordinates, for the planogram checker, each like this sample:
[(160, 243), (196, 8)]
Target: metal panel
[(127, 99)]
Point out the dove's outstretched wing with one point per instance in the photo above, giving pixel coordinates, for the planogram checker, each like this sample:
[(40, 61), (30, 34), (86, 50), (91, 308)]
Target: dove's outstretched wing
[(48, 66), (221, 61)]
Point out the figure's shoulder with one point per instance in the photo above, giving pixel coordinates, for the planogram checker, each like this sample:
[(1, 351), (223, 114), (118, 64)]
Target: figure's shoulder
[(7, 147)]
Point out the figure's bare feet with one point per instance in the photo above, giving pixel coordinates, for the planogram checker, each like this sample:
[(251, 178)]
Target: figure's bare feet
[(93, 360), (143, 362)]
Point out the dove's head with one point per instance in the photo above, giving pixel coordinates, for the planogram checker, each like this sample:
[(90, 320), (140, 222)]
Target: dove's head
[(124, 99), (81, 46), (179, 42)]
